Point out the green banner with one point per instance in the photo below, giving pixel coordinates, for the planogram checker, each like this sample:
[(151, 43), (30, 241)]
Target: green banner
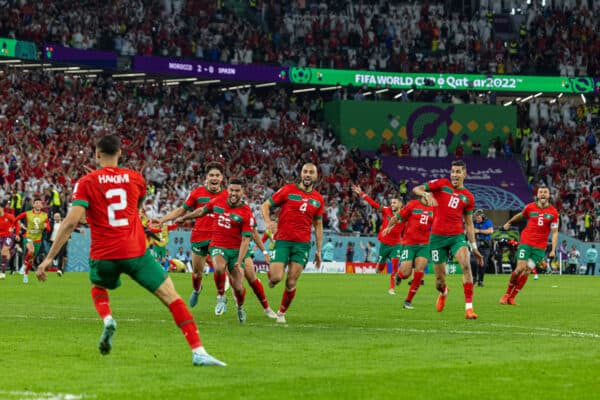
[(367, 124), (393, 80), (18, 49)]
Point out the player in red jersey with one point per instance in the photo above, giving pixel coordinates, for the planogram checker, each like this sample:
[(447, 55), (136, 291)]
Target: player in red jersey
[(454, 205), (390, 247), (418, 218), (301, 207), (232, 229), (9, 229), (110, 197), (202, 230), (542, 219)]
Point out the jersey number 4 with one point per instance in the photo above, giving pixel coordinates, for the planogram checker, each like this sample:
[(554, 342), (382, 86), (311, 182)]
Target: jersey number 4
[(121, 194)]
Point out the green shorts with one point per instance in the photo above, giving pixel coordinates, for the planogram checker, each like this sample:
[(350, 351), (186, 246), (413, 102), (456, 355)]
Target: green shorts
[(230, 256), (286, 252), (526, 253), (36, 246), (442, 246), (159, 251), (145, 270), (387, 252), (201, 248), (250, 254), (411, 251)]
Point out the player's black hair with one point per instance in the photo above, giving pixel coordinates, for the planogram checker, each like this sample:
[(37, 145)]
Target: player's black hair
[(109, 144), (459, 163), (237, 181), (214, 165)]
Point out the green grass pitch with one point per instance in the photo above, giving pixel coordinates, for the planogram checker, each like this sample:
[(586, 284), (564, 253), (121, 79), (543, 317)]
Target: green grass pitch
[(346, 338)]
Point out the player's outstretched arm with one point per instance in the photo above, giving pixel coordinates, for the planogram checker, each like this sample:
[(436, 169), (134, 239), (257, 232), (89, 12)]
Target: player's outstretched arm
[(265, 210), (515, 218), (171, 216), (197, 213), (427, 197), (318, 224)]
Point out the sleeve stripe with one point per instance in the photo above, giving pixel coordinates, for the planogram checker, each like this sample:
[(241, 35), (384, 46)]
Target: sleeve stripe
[(82, 203)]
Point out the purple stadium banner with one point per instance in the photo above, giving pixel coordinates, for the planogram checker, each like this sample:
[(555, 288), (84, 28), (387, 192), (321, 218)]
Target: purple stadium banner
[(497, 184), (210, 70), (92, 58)]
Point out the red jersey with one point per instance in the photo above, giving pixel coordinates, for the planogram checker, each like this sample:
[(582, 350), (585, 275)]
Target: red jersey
[(230, 223), (392, 238), (298, 211), (418, 218), (111, 197), (540, 221), (7, 222), (199, 197), (452, 205)]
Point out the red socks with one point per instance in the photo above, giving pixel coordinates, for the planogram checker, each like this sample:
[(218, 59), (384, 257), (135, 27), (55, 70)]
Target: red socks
[(520, 283), (101, 301), (196, 281), (512, 283), (394, 272), (28, 262), (185, 322), (286, 300), (468, 289), (259, 291), (240, 297), (220, 282), (414, 286)]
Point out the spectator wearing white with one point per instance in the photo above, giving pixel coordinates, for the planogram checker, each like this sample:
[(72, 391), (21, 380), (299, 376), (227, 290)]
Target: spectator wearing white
[(414, 149), (432, 148), (442, 148), (424, 149), (491, 153)]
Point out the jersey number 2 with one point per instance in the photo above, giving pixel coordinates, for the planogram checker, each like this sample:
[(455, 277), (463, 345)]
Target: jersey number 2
[(121, 205)]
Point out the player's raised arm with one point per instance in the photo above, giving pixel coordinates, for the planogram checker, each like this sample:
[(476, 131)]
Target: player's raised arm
[(515, 218), (422, 192)]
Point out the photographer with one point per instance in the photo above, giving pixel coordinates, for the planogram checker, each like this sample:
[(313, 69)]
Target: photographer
[(483, 232)]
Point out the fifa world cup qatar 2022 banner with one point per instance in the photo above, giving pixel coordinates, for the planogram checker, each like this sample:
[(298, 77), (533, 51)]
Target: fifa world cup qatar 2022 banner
[(367, 124)]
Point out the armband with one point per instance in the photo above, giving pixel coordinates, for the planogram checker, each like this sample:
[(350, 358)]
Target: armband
[(473, 245)]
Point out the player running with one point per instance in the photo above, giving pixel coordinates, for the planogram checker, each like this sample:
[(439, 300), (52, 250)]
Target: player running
[(111, 197), (542, 219), (232, 229), (36, 221), (390, 247), (301, 206), (455, 205), (202, 230), (418, 218)]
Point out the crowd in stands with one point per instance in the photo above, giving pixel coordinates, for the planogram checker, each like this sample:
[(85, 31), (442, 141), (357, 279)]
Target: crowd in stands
[(50, 121), (556, 39)]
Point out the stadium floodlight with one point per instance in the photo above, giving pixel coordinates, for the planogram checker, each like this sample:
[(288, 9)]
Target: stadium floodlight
[(180, 80), (398, 95), (83, 71), (129, 75), (367, 93), (410, 91), (560, 95), (10, 61), (34, 65), (62, 69), (234, 88), (552, 101), (538, 94), (261, 85), (304, 90), (381, 91), (583, 98), (508, 103), (527, 98), (328, 88), (208, 82)]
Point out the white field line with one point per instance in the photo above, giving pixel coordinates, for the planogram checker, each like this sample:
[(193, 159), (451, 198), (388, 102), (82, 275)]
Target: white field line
[(480, 330), (28, 395)]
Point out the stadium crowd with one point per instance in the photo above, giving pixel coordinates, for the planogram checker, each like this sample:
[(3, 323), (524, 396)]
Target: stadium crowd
[(556, 39), (50, 119)]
